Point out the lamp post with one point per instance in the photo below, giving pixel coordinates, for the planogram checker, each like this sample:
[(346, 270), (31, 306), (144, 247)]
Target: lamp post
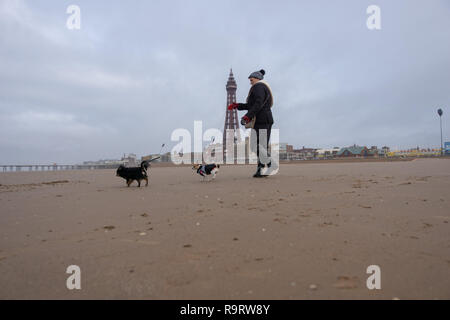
[(440, 112)]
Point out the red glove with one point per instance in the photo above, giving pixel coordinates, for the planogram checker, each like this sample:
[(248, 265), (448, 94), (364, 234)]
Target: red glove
[(232, 106), (245, 120)]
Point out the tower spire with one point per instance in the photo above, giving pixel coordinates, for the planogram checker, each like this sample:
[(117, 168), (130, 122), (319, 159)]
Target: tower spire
[(231, 133)]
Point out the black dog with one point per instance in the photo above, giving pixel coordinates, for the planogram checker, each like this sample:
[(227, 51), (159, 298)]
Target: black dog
[(134, 173)]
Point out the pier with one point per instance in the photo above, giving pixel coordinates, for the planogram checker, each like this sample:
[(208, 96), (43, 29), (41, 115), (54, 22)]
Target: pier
[(53, 167)]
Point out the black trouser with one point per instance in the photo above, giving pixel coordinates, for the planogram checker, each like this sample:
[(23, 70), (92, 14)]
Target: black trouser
[(257, 128)]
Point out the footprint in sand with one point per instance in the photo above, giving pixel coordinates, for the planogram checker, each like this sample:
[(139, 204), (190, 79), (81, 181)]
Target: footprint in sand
[(280, 220), (427, 225), (345, 282), (325, 224)]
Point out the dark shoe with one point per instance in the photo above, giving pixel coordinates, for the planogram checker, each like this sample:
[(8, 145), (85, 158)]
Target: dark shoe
[(258, 173)]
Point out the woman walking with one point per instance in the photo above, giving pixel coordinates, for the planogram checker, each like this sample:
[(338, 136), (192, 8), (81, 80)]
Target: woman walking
[(259, 115)]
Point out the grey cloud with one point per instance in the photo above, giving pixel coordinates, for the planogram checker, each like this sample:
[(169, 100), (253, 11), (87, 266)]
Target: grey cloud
[(136, 71)]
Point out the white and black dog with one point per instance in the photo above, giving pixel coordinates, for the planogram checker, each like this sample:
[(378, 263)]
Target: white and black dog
[(206, 170)]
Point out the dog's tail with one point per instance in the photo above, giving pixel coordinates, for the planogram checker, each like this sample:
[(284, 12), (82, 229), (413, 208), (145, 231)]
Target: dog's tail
[(218, 166)]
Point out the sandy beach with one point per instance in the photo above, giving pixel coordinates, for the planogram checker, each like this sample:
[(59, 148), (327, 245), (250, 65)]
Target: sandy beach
[(309, 232)]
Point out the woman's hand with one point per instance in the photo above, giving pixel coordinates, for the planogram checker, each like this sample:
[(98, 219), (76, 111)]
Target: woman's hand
[(245, 120), (233, 106)]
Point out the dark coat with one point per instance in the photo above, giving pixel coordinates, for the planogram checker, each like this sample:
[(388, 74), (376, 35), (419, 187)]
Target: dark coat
[(259, 93)]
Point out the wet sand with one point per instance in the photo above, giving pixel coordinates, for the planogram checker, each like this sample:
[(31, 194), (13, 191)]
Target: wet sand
[(309, 232)]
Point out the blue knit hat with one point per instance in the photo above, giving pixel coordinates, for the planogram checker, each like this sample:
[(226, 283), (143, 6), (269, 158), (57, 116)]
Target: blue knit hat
[(258, 74)]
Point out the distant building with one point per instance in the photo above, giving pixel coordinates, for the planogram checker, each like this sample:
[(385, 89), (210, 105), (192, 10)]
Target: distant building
[(304, 154), (384, 152), (130, 160), (357, 151), (327, 153), (166, 157), (284, 150)]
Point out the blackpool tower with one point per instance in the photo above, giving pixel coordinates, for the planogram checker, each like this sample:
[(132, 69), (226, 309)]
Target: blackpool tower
[(232, 136)]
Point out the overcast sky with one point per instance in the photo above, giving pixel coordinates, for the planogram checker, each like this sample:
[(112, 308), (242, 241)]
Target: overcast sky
[(137, 70)]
